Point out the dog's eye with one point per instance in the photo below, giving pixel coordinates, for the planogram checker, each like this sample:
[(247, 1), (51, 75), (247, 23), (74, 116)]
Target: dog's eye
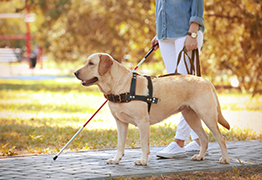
[(90, 63)]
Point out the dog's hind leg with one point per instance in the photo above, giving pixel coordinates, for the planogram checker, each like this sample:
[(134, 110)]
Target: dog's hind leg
[(209, 116), (194, 122), (221, 141), (122, 129)]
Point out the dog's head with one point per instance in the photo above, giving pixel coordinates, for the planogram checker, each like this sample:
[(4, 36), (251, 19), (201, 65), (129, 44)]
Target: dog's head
[(96, 66)]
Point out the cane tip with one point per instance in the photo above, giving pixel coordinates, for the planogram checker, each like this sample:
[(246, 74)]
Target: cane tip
[(55, 158)]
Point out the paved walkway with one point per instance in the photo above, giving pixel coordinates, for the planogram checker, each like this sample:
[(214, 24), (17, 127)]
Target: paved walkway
[(91, 164)]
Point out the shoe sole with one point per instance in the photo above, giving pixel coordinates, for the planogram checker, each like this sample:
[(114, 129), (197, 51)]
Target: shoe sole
[(171, 156)]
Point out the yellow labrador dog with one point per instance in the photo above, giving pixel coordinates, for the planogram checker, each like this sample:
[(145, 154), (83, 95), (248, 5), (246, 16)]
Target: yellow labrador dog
[(194, 96)]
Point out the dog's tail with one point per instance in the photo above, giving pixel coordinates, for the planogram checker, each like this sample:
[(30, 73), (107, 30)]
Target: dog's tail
[(221, 119)]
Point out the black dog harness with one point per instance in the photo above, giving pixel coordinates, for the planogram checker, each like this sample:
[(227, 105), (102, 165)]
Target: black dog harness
[(127, 97)]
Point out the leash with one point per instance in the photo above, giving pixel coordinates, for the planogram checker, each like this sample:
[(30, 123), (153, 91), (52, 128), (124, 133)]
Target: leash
[(191, 61)]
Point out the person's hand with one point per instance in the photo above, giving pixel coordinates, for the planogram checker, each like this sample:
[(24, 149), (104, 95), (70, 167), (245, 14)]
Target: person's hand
[(190, 43), (153, 42)]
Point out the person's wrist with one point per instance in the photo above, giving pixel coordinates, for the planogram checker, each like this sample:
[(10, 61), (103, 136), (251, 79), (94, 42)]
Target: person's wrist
[(192, 34)]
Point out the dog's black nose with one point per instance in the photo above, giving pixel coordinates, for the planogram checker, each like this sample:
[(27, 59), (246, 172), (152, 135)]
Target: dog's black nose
[(76, 73)]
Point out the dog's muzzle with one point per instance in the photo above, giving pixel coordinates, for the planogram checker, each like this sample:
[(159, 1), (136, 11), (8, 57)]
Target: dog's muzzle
[(86, 82), (89, 82)]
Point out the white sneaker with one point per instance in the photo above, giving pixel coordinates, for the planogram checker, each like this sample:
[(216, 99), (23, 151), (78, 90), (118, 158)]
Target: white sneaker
[(193, 148), (172, 151)]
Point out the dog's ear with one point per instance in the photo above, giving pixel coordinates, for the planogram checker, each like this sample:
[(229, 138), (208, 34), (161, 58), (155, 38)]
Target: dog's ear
[(104, 64)]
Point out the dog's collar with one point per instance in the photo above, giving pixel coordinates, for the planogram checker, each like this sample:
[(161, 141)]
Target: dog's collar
[(127, 97)]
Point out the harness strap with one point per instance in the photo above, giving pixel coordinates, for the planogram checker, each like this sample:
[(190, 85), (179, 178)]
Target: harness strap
[(133, 84), (127, 97), (150, 87)]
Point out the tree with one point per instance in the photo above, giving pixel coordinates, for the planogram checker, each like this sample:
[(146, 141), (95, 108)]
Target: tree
[(233, 41), (116, 27), (11, 26), (70, 30)]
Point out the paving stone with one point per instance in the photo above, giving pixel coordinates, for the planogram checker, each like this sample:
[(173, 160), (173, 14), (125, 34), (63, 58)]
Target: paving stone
[(91, 164)]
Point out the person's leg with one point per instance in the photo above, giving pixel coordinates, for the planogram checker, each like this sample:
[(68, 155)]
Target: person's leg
[(170, 49), (169, 54), (182, 132), (183, 127)]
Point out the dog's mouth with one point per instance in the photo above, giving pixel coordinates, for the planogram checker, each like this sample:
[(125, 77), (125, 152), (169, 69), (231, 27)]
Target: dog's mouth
[(89, 82)]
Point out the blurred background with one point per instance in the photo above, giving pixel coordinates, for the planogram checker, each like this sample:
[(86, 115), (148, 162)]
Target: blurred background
[(42, 42), (63, 33)]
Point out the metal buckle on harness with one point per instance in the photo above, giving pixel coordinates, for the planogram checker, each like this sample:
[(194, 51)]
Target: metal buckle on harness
[(119, 98), (127, 97), (152, 100), (124, 97)]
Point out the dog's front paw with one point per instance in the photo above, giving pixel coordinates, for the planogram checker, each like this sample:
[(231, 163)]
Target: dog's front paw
[(112, 161), (223, 160), (197, 158), (140, 162)]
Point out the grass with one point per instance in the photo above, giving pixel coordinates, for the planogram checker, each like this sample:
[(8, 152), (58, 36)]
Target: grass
[(40, 116), (252, 173)]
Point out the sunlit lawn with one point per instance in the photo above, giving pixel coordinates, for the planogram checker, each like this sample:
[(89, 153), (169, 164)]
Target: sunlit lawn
[(41, 116)]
